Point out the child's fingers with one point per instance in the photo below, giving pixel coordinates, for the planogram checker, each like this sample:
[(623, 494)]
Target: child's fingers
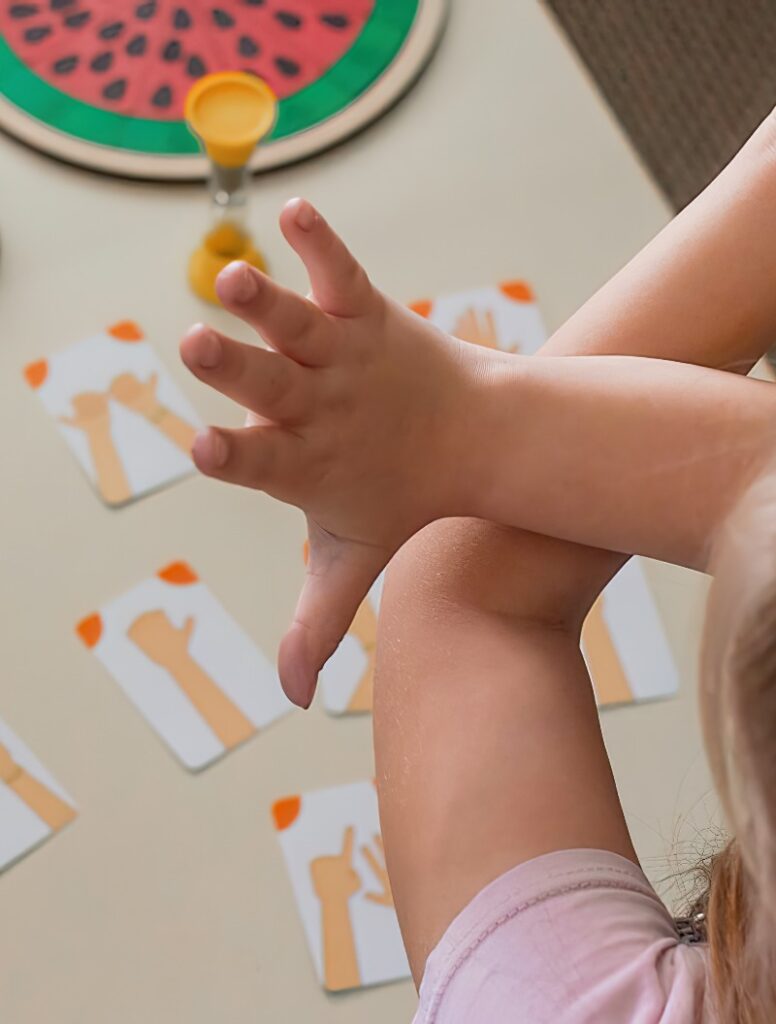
[(339, 282), (336, 583), (289, 322), (265, 458), (263, 382)]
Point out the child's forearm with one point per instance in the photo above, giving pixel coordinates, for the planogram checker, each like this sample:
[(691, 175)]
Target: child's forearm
[(635, 455)]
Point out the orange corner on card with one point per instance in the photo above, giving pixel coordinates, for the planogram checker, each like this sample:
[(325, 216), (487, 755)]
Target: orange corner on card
[(179, 573), (286, 811), (90, 629), (422, 307), (517, 291), (35, 373), (306, 552), (125, 330)]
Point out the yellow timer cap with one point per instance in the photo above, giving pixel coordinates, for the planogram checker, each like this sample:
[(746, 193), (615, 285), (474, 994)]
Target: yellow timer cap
[(230, 112)]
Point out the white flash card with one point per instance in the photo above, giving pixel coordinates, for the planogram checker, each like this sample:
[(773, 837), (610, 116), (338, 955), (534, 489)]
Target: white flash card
[(187, 666), (33, 806), (332, 847), (122, 416)]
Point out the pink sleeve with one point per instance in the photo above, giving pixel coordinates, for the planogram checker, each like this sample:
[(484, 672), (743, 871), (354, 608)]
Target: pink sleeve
[(574, 937)]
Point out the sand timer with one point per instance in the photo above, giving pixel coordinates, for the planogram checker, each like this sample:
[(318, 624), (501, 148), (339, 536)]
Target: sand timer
[(229, 112)]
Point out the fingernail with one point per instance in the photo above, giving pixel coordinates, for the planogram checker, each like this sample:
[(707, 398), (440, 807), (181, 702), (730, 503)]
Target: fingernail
[(305, 215), (243, 285), (209, 350), (210, 449)]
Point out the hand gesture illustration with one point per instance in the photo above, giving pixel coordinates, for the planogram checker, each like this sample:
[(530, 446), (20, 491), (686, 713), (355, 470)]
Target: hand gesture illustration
[(49, 807), (335, 881), (163, 643), (140, 397), (136, 395), (364, 629), (477, 329), (384, 898), (334, 877), (9, 769), (168, 646), (90, 412)]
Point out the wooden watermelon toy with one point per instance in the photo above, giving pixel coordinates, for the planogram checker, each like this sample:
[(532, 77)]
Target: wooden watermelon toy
[(112, 75)]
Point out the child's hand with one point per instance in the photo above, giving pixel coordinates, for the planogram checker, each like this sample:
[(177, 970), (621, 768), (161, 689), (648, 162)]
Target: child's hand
[(358, 417)]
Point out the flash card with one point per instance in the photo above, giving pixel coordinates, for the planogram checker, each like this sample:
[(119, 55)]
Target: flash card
[(33, 806), (347, 677), (624, 644), (123, 418), (331, 843), (504, 316), (186, 665)]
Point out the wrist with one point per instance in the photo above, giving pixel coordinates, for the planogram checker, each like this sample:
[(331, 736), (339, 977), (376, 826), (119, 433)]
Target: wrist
[(155, 413), (97, 430), (490, 410), (332, 901)]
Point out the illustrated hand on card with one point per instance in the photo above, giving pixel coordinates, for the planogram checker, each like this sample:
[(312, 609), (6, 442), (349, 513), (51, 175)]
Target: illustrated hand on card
[(505, 317), (168, 647), (32, 805), (476, 328), (123, 418), (624, 644), (334, 854), (347, 678), (335, 880), (185, 663), (141, 398)]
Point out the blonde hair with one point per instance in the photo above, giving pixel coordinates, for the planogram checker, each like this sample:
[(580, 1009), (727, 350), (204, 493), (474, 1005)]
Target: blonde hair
[(738, 711)]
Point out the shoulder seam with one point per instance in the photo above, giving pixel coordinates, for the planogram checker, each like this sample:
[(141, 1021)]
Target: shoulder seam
[(455, 960)]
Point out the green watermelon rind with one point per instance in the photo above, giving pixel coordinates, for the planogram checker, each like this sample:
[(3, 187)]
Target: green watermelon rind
[(370, 55)]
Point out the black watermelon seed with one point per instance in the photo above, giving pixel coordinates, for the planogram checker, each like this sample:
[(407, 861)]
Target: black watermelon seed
[(115, 89), (34, 35), (162, 97), (172, 50), (288, 19), (248, 47), (254, 3), (195, 67), (111, 31), (102, 61), (77, 20), (136, 46), (146, 11), (66, 65), (335, 20), (181, 18), (59, 5), (287, 67), (23, 10), (222, 19)]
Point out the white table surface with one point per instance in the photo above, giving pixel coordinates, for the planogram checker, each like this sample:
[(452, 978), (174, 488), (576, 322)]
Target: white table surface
[(167, 899)]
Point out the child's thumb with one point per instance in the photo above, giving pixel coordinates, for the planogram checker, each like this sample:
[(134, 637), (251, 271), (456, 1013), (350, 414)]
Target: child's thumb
[(338, 579)]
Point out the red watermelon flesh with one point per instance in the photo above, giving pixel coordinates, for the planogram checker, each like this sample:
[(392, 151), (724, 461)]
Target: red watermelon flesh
[(140, 57)]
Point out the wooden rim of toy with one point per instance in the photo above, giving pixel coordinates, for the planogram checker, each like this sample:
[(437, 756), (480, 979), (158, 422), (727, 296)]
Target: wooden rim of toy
[(378, 99)]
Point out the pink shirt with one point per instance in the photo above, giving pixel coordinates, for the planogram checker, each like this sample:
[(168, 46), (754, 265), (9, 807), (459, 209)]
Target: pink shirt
[(574, 937)]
